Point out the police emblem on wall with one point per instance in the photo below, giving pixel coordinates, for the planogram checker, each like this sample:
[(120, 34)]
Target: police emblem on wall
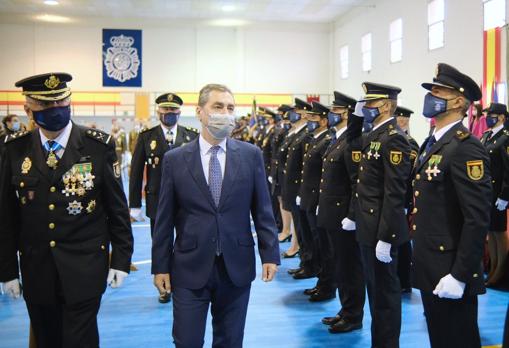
[(122, 58)]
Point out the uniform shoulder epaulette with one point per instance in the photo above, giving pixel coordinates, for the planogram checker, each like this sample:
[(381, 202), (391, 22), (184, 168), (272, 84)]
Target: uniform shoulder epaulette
[(14, 136), (194, 130), (506, 132), (146, 129), (98, 135), (462, 135)]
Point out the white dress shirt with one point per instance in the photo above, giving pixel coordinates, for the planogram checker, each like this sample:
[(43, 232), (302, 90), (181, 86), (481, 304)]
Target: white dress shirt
[(440, 133), (381, 124), (62, 139), (339, 132), (496, 130), (297, 130), (205, 147)]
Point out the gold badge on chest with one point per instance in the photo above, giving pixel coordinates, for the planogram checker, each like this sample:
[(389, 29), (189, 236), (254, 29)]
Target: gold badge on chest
[(52, 160), (26, 165), (78, 180), (153, 145), (396, 157), (356, 156)]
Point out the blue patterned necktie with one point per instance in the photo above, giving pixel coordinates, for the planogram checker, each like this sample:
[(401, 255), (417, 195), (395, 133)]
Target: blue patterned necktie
[(431, 141), (52, 146), (215, 175)]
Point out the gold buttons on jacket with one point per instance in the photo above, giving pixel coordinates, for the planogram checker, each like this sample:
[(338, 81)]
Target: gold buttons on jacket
[(371, 211), (414, 210), (393, 236), (338, 204), (361, 168), (414, 227), (51, 207), (418, 177), (417, 193), (51, 226), (52, 244), (52, 189), (356, 195), (441, 248), (358, 180), (22, 184), (296, 181), (103, 247), (475, 275)]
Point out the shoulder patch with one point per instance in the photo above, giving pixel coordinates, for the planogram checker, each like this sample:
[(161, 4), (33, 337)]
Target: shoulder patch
[(98, 135), (393, 131), (461, 135), (191, 129), (15, 136), (506, 132)]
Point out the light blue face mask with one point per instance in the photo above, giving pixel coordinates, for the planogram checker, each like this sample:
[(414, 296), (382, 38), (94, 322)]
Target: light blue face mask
[(371, 113), (16, 126)]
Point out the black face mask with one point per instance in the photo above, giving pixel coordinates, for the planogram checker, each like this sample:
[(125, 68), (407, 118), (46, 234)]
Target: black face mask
[(53, 119)]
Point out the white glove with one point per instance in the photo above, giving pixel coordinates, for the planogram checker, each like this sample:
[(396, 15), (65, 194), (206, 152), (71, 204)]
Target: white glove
[(501, 204), (383, 252), (348, 225), (297, 200), (406, 211), (358, 108), (116, 278), (136, 213), (449, 287), (269, 179), (12, 288), (317, 207)]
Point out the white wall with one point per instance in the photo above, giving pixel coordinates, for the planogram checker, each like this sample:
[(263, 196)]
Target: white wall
[(267, 58), (463, 49)]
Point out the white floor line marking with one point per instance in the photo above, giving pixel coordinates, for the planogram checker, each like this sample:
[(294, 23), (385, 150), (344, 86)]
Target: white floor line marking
[(144, 262)]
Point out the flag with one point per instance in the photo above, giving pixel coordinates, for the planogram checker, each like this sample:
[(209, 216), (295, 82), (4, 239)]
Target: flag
[(494, 92), (252, 120), (491, 61)]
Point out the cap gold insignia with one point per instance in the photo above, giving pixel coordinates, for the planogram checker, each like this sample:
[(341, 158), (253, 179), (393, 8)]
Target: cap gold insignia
[(170, 97), (153, 144), (475, 170), (116, 169), (356, 156), (396, 157), (52, 82), (26, 165)]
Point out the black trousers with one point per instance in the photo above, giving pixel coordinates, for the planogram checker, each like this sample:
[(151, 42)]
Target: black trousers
[(324, 253), (65, 326), (228, 304), (405, 265), (295, 211), (384, 295), (349, 274), (451, 323), (152, 226), (308, 246)]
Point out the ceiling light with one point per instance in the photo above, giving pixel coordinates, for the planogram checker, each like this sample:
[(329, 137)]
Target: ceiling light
[(228, 22), (228, 8), (52, 18), (50, 2)]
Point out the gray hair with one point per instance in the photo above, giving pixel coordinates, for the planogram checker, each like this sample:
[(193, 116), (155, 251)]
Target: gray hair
[(205, 92)]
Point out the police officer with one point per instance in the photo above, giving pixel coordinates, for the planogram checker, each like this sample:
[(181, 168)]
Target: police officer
[(337, 201), (380, 216), (270, 120), (150, 148), (61, 204), (294, 146), (453, 200), (309, 194), (402, 115), (496, 141)]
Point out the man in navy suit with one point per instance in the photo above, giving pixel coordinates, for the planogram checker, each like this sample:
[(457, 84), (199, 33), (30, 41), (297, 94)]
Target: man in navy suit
[(209, 188)]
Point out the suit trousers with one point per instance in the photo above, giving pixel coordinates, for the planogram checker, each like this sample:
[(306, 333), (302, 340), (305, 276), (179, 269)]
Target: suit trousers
[(405, 264), (384, 295), (65, 326), (349, 274), (451, 323), (228, 307)]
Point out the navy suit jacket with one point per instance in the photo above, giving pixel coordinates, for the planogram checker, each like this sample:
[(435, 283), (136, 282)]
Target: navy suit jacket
[(187, 208)]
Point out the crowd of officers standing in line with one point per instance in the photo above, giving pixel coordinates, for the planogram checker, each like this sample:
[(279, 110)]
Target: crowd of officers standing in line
[(351, 188)]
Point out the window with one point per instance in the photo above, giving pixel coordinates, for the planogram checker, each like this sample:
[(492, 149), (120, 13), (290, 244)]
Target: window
[(494, 14), (436, 16), (366, 52), (396, 40), (343, 58)]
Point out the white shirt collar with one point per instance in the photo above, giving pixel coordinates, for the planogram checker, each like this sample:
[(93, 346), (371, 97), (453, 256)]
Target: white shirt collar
[(62, 139), (497, 129), (166, 129), (381, 124), (340, 132), (297, 130), (320, 133), (440, 133), (205, 145)]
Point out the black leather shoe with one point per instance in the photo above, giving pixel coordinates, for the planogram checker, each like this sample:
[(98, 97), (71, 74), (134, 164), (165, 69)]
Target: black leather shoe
[(303, 274), (311, 291), (320, 296), (331, 320), (165, 298), (286, 255), (293, 271), (343, 326)]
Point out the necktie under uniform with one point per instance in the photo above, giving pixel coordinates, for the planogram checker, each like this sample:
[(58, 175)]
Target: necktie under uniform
[(215, 183), (169, 137), (52, 147), (431, 141)]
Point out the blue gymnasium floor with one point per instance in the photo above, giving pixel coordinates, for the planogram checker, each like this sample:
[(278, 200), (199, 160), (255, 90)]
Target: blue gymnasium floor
[(279, 314)]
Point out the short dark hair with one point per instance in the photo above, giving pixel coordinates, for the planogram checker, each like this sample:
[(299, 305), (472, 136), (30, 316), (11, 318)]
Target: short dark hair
[(205, 92), (8, 118)]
